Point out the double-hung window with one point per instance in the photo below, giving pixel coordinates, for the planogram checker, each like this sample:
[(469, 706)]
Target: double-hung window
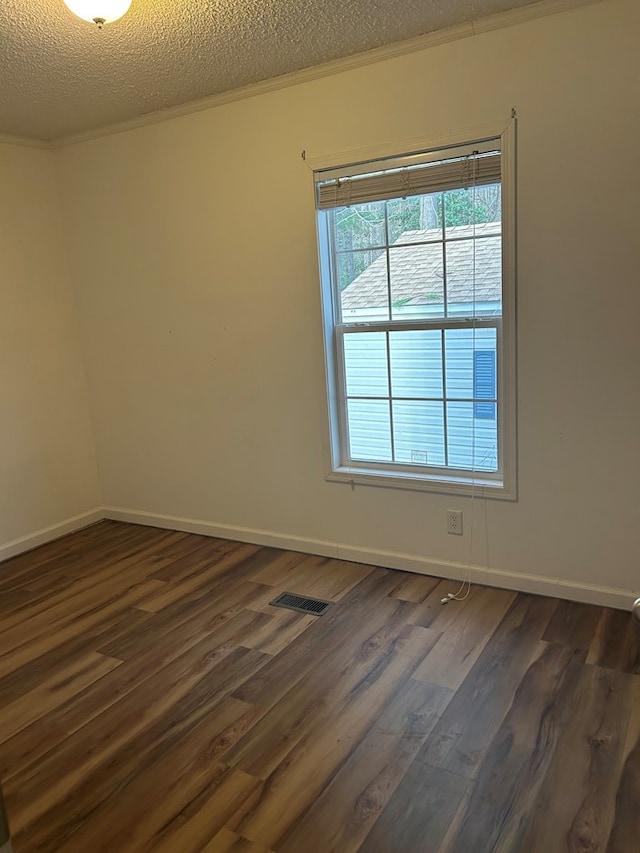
[(418, 287)]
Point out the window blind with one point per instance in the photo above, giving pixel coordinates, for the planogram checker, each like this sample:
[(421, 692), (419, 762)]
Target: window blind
[(433, 177)]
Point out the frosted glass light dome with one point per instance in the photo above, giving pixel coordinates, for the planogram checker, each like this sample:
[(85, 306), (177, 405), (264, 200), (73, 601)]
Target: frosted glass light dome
[(98, 11)]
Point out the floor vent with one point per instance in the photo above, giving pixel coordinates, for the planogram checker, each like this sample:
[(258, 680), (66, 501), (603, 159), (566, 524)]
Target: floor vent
[(302, 603)]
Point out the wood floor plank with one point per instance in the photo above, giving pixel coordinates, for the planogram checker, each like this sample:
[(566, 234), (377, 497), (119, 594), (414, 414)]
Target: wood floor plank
[(70, 549), (230, 842), (500, 808), (184, 558), (331, 631), (54, 804), (28, 676), (626, 821), (342, 815), (471, 624), (319, 577), (54, 690), (183, 619), (183, 797), (279, 570), (326, 578), (83, 596), (323, 691), (306, 769), (153, 701), (30, 746), (191, 830), (420, 812), (24, 647), (578, 798), (616, 643), (279, 630), (462, 736), (174, 561), (573, 625), (201, 570), (414, 587), (431, 607)]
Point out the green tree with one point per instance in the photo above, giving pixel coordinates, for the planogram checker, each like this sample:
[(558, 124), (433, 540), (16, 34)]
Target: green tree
[(470, 206), (362, 230)]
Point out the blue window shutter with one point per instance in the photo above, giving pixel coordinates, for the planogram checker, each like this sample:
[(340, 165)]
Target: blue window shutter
[(484, 383)]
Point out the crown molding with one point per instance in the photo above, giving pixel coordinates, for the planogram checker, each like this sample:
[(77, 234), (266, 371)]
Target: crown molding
[(524, 14), (497, 21), (24, 142)]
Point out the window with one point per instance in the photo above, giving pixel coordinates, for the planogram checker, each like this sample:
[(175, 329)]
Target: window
[(418, 285)]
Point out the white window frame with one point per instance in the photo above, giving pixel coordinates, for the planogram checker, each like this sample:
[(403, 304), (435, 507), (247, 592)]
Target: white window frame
[(503, 484)]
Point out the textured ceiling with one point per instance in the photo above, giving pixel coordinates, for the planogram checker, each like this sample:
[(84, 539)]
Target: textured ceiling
[(61, 76)]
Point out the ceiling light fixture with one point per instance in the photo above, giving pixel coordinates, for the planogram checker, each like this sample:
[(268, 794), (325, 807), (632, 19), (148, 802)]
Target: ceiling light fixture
[(98, 12)]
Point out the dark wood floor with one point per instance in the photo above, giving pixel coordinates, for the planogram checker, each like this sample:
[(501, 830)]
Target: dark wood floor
[(152, 700)]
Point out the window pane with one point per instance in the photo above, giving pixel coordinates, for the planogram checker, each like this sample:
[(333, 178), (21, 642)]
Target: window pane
[(363, 285), (472, 442), (481, 206), (418, 213), (361, 226), (417, 279), (416, 363), (418, 432), (474, 275), (365, 359), (460, 345), (369, 428)]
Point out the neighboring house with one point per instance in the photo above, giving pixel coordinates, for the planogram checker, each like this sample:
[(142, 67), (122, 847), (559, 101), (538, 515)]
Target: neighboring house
[(412, 280), (416, 266)]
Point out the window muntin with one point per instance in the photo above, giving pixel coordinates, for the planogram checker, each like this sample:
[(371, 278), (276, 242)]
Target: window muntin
[(414, 290)]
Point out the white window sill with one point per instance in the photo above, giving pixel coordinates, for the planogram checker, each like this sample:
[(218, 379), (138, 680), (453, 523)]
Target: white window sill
[(479, 487)]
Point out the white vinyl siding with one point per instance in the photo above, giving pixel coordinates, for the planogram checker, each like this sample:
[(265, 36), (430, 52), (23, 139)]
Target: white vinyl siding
[(407, 390)]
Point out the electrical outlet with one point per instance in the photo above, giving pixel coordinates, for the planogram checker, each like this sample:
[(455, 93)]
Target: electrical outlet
[(454, 521)]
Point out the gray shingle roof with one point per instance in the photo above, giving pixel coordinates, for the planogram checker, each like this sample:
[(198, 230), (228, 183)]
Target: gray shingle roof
[(417, 269)]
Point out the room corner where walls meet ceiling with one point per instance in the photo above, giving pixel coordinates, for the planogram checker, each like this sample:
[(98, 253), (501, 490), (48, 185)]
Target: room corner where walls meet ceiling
[(63, 77)]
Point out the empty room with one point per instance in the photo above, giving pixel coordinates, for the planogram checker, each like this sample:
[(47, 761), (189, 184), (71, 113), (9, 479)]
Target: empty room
[(320, 379)]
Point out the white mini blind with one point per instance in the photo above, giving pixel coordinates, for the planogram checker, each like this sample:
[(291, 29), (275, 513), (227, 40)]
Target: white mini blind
[(393, 182)]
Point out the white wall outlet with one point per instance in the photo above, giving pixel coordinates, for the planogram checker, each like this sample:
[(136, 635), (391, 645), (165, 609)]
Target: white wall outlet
[(454, 521)]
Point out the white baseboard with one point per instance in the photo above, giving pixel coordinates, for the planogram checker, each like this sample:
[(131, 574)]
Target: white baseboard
[(48, 534), (225, 531), (536, 584)]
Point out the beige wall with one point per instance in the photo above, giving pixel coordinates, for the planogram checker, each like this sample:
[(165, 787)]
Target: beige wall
[(47, 462), (194, 257)]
